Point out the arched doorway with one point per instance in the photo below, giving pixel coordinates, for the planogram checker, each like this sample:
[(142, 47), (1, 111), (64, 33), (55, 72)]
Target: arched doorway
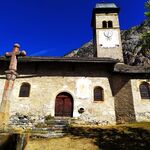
[(64, 105)]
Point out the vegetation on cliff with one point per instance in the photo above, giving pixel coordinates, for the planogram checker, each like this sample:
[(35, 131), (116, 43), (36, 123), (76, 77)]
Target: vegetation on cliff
[(146, 36)]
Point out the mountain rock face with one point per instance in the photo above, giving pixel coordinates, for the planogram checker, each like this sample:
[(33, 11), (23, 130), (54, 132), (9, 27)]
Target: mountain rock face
[(131, 44)]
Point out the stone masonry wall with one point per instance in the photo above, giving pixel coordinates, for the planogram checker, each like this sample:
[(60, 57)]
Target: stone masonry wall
[(123, 99)]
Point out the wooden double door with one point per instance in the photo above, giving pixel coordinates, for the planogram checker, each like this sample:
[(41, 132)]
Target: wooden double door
[(64, 105)]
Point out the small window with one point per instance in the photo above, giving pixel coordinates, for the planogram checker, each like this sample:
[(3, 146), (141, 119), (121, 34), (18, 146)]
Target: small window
[(24, 90), (110, 24), (98, 94), (104, 24), (145, 90)]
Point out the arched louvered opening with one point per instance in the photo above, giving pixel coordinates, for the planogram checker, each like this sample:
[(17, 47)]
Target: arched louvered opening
[(110, 24), (25, 90), (145, 90), (98, 94), (104, 24)]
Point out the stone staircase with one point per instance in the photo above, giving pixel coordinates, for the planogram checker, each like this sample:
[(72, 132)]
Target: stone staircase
[(56, 127)]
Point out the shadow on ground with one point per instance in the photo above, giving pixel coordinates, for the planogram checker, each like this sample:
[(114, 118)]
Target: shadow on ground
[(13, 141), (8, 142), (116, 139)]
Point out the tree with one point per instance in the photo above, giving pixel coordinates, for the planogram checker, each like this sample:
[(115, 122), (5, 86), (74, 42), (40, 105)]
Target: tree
[(146, 36), (147, 5)]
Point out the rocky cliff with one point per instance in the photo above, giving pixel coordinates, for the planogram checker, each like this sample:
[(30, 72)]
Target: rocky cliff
[(131, 43)]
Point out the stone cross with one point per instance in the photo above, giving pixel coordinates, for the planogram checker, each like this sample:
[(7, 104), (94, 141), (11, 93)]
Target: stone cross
[(11, 73)]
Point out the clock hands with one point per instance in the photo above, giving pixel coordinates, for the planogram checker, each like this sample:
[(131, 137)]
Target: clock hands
[(108, 35)]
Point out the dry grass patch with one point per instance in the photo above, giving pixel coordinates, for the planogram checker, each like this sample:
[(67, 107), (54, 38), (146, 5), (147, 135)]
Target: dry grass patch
[(65, 143)]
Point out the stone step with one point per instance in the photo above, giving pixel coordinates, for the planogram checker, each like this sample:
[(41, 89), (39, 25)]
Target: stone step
[(55, 127), (52, 128), (47, 135), (50, 131), (51, 123), (56, 122)]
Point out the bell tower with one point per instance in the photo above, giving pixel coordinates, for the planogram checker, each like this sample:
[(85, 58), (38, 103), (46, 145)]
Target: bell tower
[(106, 31)]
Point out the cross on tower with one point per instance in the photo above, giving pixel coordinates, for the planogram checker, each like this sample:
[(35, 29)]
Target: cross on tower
[(11, 72)]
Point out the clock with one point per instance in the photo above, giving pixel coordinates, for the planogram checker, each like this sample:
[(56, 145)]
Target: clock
[(108, 38)]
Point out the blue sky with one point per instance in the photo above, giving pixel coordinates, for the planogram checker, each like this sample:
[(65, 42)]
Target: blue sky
[(55, 27)]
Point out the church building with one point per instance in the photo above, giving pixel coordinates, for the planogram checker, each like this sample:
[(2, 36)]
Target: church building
[(101, 89)]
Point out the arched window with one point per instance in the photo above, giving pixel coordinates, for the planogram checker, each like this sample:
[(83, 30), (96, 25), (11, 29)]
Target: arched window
[(104, 24), (98, 94), (110, 24), (145, 90), (24, 90)]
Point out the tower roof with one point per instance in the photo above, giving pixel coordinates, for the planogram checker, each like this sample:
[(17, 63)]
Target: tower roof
[(104, 8), (106, 5)]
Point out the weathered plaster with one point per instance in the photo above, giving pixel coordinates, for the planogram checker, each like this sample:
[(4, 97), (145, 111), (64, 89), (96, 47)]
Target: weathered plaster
[(2, 83), (141, 106), (104, 51), (45, 89)]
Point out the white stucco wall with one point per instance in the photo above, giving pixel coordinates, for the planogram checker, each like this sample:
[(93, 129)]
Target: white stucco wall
[(45, 89), (2, 83), (103, 45), (141, 106)]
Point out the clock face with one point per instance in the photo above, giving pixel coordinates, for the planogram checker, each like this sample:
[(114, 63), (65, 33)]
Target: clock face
[(108, 34), (108, 38)]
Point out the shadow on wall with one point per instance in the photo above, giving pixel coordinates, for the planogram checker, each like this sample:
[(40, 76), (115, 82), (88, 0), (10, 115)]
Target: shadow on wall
[(122, 92)]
